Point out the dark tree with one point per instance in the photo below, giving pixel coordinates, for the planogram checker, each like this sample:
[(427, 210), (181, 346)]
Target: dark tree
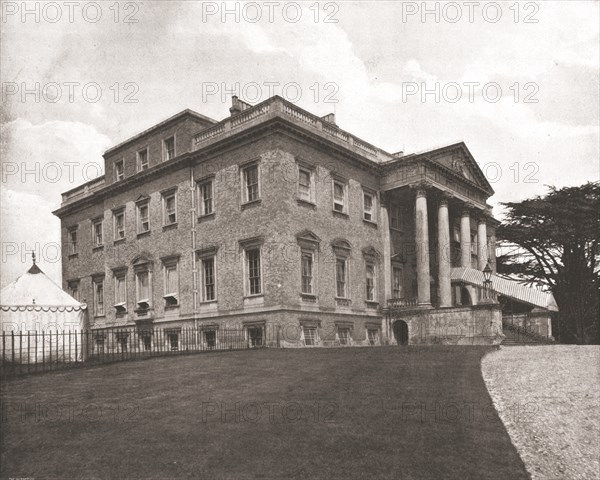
[(559, 236)]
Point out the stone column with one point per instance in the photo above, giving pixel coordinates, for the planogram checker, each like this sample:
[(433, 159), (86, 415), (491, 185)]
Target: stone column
[(387, 264), (465, 247), (422, 248), (387, 248), (482, 243), (444, 254), (492, 252), (465, 238)]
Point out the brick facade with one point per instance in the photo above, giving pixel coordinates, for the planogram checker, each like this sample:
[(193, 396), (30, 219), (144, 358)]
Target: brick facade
[(282, 223)]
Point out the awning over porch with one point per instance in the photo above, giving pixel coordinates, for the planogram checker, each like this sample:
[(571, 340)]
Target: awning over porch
[(506, 287)]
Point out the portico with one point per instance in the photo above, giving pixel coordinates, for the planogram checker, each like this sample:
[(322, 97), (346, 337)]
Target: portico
[(437, 219)]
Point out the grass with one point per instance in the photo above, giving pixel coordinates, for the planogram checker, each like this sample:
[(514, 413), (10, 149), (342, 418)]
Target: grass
[(402, 413), (548, 398)]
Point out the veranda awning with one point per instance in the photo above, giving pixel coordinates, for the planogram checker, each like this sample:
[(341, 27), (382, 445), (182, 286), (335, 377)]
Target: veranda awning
[(506, 287)]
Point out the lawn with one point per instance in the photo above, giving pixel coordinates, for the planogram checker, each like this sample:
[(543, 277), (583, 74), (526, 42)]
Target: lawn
[(389, 412)]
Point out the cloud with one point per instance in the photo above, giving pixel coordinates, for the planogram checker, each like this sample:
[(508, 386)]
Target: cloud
[(28, 224), (39, 162), (49, 158)]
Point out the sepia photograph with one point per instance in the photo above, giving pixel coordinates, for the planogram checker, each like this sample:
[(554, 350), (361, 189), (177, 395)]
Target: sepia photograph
[(300, 240)]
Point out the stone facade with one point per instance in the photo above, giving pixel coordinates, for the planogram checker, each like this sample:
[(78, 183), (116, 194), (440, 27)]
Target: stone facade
[(275, 217)]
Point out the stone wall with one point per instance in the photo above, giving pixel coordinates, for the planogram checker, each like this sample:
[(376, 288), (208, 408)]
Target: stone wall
[(473, 325), (538, 322)]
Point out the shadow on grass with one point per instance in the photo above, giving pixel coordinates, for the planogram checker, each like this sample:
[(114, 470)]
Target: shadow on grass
[(390, 412)]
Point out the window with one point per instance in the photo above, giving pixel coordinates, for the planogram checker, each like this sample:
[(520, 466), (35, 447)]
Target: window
[(143, 219), (369, 207), (255, 336), (395, 216), (119, 170), (397, 282), (97, 232), (171, 282), (142, 159), (307, 272), (341, 277), (98, 297), (146, 336), (122, 338), (169, 208), (205, 197), (306, 189), (344, 335), (473, 244), (119, 223), (251, 185), (168, 149), (308, 244), (142, 288), (310, 336), (370, 282), (72, 236), (173, 339), (210, 338), (209, 292), (339, 196), (73, 288), (120, 291), (456, 232), (99, 338), (253, 270), (373, 336)]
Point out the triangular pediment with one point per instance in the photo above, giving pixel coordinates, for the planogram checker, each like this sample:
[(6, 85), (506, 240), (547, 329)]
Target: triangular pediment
[(308, 236), (371, 253), (459, 159)]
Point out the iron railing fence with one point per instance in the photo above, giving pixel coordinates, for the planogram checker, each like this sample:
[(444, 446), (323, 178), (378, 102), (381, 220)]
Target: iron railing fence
[(30, 352), (524, 334)]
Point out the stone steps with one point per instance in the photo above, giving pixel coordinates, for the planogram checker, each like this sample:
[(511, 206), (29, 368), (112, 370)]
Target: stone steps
[(514, 338)]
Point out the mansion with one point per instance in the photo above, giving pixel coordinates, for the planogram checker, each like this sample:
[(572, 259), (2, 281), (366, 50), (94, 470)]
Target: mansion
[(276, 218)]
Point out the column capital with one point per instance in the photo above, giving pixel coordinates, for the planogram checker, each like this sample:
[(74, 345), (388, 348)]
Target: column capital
[(483, 216), (420, 188), (468, 209), (444, 198)]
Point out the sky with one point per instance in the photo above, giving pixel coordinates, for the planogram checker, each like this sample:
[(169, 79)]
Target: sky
[(518, 82)]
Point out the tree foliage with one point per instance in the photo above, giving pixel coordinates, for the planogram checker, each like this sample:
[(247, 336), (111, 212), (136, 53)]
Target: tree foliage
[(560, 236)]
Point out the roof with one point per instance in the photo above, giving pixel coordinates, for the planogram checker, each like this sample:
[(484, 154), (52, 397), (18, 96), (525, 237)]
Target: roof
[(506, 287), (35, 288), (184, 113)]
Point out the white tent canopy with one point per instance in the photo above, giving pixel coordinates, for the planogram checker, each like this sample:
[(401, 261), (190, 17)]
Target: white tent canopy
[(33, 302)]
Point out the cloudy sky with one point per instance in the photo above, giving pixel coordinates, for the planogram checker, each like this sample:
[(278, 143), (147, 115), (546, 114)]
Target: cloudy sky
[(518, 82)]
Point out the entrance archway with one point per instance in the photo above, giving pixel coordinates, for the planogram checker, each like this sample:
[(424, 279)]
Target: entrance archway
[(400, 329), (465, 296)]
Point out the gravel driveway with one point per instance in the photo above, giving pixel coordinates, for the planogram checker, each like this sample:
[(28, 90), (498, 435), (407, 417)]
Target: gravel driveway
[(549, 400)]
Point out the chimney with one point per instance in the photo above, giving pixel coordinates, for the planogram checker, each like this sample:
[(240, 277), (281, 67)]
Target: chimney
[(236, 107), (329, 118)]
